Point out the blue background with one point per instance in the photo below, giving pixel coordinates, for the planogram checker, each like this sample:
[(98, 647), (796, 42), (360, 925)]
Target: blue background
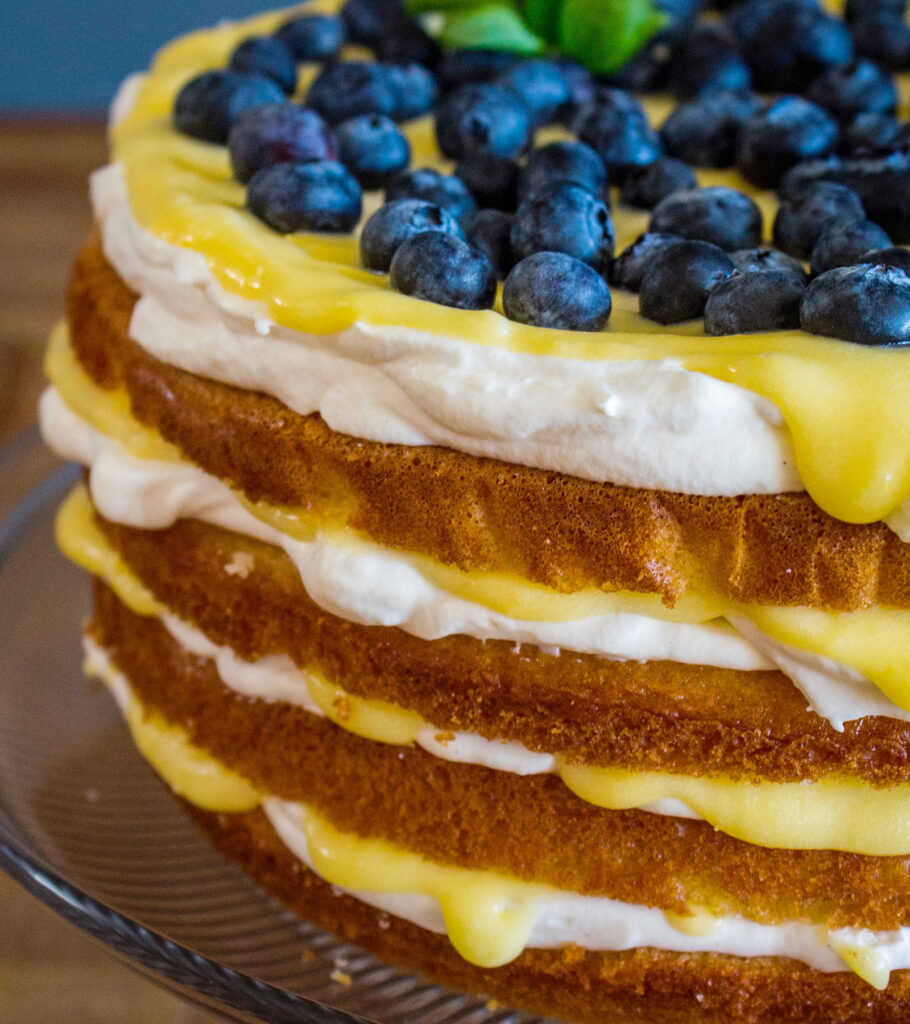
[(59, 57)]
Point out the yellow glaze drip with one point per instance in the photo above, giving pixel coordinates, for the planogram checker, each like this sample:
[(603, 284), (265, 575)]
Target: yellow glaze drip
[(847, 407), (699, 923), (872, 640), (488, 917), (833, 813), (372, 719), (191, 772), (107, 410), (81, 540), (871, 965), (875, 641)]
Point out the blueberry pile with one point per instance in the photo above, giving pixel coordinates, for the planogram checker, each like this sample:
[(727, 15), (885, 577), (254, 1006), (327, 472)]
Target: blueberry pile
[(793, 98)]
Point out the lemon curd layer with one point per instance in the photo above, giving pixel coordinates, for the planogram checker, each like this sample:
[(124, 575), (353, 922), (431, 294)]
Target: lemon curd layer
[(847, 406), (490, 917), (836, 812), (872, 641)]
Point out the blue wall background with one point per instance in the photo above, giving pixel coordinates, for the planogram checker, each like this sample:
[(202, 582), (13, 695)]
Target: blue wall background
[(59, 56)]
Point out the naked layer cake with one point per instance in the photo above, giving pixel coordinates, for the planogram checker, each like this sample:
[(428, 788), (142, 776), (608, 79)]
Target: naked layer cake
[(498, 544)]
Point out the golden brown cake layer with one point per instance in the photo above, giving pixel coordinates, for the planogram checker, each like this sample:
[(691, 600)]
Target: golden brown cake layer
[(643, 986), (531, 827), (481, 513), (695, 720)]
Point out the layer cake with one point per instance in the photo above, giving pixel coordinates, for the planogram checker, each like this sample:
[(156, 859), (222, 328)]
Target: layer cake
[(566, 667)]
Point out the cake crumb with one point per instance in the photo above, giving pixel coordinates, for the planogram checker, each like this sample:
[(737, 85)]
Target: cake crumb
[(493, 1005), (444, 738), (309, 956), (342, 707), (341, 978), (241, 564)]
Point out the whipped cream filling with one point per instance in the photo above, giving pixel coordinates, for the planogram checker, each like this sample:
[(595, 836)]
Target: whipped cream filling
[(561, 918), (600, 923), (374, 586), (640, 423), (276, 678)]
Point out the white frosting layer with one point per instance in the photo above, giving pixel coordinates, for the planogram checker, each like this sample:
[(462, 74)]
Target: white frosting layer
[(599, 923), (375, 586), (639, 423)]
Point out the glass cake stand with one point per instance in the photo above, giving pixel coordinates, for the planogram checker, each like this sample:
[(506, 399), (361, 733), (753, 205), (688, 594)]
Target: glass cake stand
[(87, 828)]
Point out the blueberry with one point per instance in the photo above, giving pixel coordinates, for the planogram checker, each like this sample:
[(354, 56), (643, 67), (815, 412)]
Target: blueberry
[(313, 37), (719, 215), (342, 91), (762, 261), (458, 67), (708, 61), (855, 88), (795, 44), (885, 39), (397, 221), (541, 84), (744, 303), (630, 265), (647, 70), (870, 134), (882, 183), (748, 19), (492, 180), (645, 187), (856, 10), (441, 189), (415, 90), (563, 161), (405, 41), (705, 132), (316, 196), (623, 139), (267, 56), (678, 279), (564, 218), (209, 104), (805, 214), (550, 289), (489, 231), (279, 133), (581, 85), (483, 118), (603, 97), (372, 148), (444, 269), (787, 132), (868, 304), (845, 244), (890, 257), (366, 20)]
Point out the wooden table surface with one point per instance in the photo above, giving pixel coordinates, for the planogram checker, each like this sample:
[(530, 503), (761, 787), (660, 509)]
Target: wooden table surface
[(50, 972)]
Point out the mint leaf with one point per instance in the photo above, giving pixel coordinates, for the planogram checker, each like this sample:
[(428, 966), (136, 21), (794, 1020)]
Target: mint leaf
[(542, 17), (414, 7), (604, 34), (493, 26)]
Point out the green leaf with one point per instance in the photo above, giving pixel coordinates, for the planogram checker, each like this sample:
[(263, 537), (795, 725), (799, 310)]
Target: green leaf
[(415, 7), (494, 26), (542, 17), (604, 34)]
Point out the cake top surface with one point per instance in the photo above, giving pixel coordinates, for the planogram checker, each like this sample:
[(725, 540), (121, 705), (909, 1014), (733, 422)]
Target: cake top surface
[(846, 406)]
